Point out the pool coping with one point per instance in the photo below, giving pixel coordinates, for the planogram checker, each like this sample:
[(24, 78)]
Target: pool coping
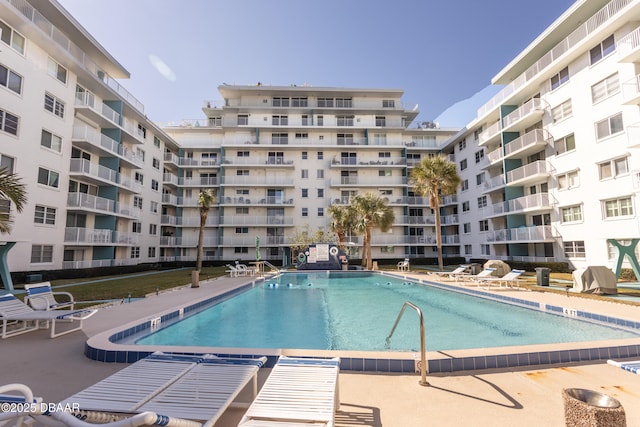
[(102, 347)]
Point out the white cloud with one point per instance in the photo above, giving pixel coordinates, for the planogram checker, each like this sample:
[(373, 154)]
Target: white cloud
[(463, 112), (164, 70)]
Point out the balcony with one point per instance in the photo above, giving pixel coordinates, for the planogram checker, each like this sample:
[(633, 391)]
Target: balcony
[(170, 179), (418, 201), (253, 181), (103, 115), (206, 162), (203, 181), (532, 202), (255, 220), (88, 138), (101, 175), (171, 158), (528, 174), (170, 199), (491, 134), (361, 181), (494, 156), (258, 161), (494, 183), (541, 233), (415, 220), (91, 203), (194, 221), (628, 47), (365, 162), (524, 116), (529, 143), (99, 237)]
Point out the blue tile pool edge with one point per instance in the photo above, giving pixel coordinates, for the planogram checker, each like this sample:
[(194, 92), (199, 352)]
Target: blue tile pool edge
[(395, 365)]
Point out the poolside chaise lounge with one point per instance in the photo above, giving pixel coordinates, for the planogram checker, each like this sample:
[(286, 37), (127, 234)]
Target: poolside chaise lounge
[(486, 273), (453, 274), (23, 318), (632, 366), (190, 387), (16, 394), (40, 296), (298, 392), (508, 280), (233, 271)]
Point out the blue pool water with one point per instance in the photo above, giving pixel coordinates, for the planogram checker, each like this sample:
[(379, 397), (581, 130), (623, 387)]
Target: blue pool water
[(356, 311)]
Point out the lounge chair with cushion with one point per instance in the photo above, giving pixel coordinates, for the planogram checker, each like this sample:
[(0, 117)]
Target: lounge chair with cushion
[(23, 318), (40, 296), (508, 280), (189, 387), (298, 392), (632, 366)]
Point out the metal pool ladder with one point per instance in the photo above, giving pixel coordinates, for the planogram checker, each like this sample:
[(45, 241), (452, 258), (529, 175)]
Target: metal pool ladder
[(423, 354)]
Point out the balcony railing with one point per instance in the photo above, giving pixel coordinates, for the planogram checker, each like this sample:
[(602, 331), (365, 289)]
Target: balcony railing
[(99, 236), (532, 201), (532, 233), (198, 181), (494, 182), (89, 134), (527, 171), (256, 180), (256, 220), (88, 201), (534, 105), (489, 133), (532, 138)]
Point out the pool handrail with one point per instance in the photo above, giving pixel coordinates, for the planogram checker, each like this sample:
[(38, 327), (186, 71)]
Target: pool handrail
[(423, 349)]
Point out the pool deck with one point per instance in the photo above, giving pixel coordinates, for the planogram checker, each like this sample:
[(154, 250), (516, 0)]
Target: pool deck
[(56, 368)]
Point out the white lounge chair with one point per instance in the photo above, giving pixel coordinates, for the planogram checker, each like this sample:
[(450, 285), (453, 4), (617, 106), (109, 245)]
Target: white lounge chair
[(245, 270), (298, 392), (18, 394), (198, 388), (632, 366), (508, 280), (25, 319), (403, 265), (486, 273), (233, 271), (40, 296), (453, 274)]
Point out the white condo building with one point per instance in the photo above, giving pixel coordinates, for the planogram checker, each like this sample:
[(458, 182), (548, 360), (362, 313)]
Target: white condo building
[(549, 165)]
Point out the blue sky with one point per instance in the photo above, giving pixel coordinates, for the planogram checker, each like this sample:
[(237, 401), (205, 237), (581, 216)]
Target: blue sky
[(441, 53)]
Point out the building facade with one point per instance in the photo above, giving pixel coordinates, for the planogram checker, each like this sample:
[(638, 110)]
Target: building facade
[(550, 164)]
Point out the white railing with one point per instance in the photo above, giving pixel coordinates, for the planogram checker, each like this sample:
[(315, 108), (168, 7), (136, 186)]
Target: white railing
[(535, 168), (577, 36), (495, 182), (490, 132), (171, 158), (529, 107), (89, 134), (416, 220), (521, 234), (532, 201), (98, 171), (628, 43), (495, 155), (170, 199), (88, 201), (257, 180), (170, 178), (198, 181), (255, 220), (529, 138), (194, 221)]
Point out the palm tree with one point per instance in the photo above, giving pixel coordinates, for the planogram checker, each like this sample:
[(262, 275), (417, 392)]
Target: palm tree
[(342, 222), (11, 190), (205, 200), (370, 211), (435, 177)]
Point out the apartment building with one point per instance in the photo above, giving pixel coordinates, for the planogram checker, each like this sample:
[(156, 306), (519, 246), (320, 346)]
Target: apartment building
[(90, 159), (550, 164), (280, 156)]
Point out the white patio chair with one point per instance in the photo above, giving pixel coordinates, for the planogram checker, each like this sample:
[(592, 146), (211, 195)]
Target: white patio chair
[(403, 265), (40, 296)]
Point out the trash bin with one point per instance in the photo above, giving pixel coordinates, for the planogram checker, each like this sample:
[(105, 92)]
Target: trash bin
[(586, 408), (542, 276)]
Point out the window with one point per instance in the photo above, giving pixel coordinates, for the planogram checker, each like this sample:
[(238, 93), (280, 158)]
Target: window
[(466, 227), (462, 144), (575, 249), (279, 120), (559, 79), (484, 225), (465, 207), (463, 164), (305, 212), (277, 101), (605, 88), (51, 141), (243, 119), (605, 48), (242, 211), (384, 172), (12, 38), (345, 120), (280, 138), (479, 179), (241, 250), (138, 178), (41, 253), (320, 192), (571, 213), (137, 202), (320, 122), (49, 178), (344, 103), (154, 185), (384, 154), (56, 70), (155, 163), (468, 249), (44, 215), (485, 249), (242, 192), (609, 126), (325, 102), (156, 142), (568, 180), (304, 173), (242, 172), (563, 145), (618, 207), (320, 155), (479, 156), (465, 185), (135, 252), (320, 211), (152, 252), (320, 174), (153, 207), (136, 227), (53, 105), (477, 133), (482, 202), (242, 154), (344, 139), (242, 230), (305, 192), (140, 153), (562, 111), (388, 103), (304, 155), (153, 229), (8, 123), (299, 102), (10, 80), (381, 121), (613, 168)]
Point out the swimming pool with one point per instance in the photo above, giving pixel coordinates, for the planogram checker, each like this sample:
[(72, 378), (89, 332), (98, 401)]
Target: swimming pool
[(355, 311)]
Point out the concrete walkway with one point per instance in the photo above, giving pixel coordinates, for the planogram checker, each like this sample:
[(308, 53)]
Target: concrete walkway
[(56, 369)]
